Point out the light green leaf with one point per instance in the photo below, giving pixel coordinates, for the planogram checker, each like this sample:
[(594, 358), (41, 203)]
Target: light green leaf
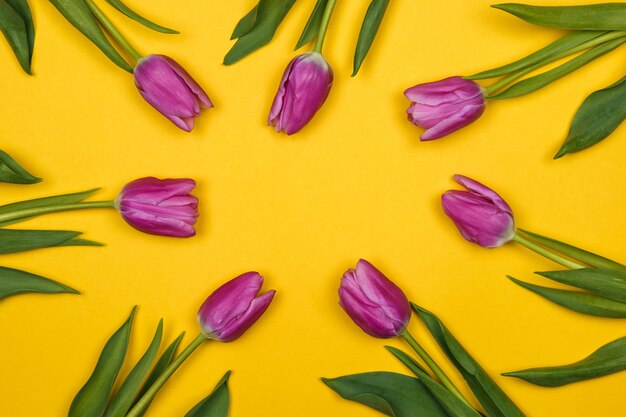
[(216, 404), (13, 241), (371, 24), (79, 15), (607, 360), (313, 24), (585, 303), (607, 283), (12, 172), (246, 24), (14, 282), (93, 397), (137, 17), (14, 29)]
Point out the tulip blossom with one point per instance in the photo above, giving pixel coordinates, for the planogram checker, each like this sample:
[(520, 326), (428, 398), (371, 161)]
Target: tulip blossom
[(166, 85), (234, 307), (444, 106), (160, 207), (302, 91), (480, 214), (373, 302)]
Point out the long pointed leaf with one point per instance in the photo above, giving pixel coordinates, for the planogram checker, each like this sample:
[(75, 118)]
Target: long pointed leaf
[(93, 397), (14, 29), (137, 17), (313, 24), (23, 9), (371, 24), (12, 172), (606, 283), (13, 241), (246, 24), (14, 282), (215, 404)]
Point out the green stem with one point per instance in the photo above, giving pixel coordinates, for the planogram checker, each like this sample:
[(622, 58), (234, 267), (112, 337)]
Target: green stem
[(433, 366), (115, 34), (36, 211), (147, 398), (546, 253), (504, 81), (321, 34)]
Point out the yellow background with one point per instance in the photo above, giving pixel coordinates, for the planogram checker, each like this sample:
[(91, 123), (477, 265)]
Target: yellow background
[(356, 182)]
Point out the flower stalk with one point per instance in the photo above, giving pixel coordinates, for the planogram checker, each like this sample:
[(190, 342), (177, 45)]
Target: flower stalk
[(37, 211), (321, 34), (548, 254)]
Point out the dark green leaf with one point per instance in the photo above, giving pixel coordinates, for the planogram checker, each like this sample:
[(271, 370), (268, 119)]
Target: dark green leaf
[(607, 16), (23, 9), (495, 402), (371, 24), (92, 399), (581, 302), (123, 399), (574, 252), (246, 24), (14, 29), (541, 80), (608, 359), (607, 283), (41, 202), (14, 281), (79, 15), (13, 241), (136, 16), (556, 48), (216, 404), (599, 115), (313, 24), (392, 394), (11, 171), (270, 14), (453, 405), (80, 242)]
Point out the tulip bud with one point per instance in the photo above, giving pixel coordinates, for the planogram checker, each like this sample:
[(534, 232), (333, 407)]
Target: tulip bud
[(234, 307), (480, 214), (444, 106), (373, 302), (166, 85), (159, 207), (302, 91)]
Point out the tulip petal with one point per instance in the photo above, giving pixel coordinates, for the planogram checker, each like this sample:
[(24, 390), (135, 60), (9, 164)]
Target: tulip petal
[(238, 325), (484, 191)]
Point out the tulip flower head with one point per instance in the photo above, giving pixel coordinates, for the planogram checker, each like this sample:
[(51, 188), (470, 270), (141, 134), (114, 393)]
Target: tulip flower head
[(480, 214), (234, 307), (159, 207), (373, 302), (302, 91), (166, 85), (444, 106)]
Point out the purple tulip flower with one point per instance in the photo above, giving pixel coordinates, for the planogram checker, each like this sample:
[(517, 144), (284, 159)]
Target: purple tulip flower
[(444, 106), (373, 302), (234, 307), (166, 85), (302, 91), (480, 214), (159, 207)]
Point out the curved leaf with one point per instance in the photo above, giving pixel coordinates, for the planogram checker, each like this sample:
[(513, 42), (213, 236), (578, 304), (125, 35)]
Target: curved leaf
[(23, 9), (609, 359), (371, 24), (12, 172), (14, 29), (313, 24), (13, 241), (137, 17), (215, 404), (246, 24), (607, 283), (14, 282)]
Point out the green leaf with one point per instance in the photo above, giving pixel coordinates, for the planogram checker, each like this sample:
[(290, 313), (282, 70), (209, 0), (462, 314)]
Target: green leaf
[(270, 13), (216, 404), (79, 15), (453, 405), (607, 283), (371, 24), (556, 48), (495, 402), (585, 303), (23, 9), (313, 24), (246, 24), (607, 360), (599, 115), (123, 399), (41, 202), (12, 172), (541, 80), (392, 394), (14, 282), (14, 29), (13, 241), (92, 399), (137, 17), (607, 16), (574, 252)]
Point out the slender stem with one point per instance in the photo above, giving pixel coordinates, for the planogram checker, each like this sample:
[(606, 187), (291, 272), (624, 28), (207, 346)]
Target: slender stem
[(147, 398), (546, 253), (115, 34), (504, 81), (321, 34), (36, 211), (433, 366)]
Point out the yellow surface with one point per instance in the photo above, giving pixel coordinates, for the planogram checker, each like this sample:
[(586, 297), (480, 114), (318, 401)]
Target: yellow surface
[(355, 183)]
